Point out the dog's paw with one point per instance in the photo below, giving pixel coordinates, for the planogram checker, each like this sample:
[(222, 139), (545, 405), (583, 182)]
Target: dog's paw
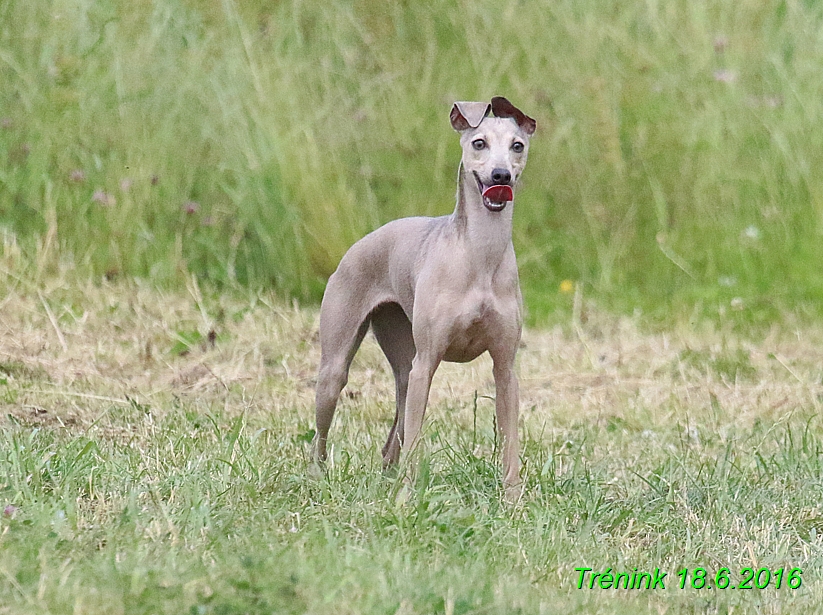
[(512, 494), (404, 494), (316, 471)]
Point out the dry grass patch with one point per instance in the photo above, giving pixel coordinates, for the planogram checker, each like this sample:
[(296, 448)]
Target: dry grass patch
[(70, 353)]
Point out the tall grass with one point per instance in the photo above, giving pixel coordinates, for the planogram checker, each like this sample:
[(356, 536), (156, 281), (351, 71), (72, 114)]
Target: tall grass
[(254, 142)]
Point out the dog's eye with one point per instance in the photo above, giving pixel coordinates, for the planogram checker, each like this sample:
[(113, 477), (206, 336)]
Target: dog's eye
[(517, 147), (479, 144)]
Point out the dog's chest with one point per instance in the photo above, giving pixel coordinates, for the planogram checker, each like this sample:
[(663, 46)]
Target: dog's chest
[(477, 321)]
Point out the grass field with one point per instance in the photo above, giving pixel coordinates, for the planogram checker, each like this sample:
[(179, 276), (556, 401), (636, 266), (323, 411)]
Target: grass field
[(149, 465), (179, 177)]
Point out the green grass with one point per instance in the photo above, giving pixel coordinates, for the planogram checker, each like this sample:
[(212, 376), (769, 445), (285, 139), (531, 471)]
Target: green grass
[(251, 143), (136, 478), (201, 512)]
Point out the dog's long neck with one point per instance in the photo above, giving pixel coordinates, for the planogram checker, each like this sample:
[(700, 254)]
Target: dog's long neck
[(487, 234)]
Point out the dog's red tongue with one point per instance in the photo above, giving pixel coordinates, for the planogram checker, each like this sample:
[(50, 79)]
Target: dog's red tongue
[(499, 194)]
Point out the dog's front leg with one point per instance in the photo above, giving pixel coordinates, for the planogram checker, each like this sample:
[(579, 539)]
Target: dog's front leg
[(507, 401), (431, 325), (420, 379)]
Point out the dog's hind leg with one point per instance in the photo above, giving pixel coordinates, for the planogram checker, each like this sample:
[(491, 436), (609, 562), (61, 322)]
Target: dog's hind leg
[(342, 328), (393, 331)]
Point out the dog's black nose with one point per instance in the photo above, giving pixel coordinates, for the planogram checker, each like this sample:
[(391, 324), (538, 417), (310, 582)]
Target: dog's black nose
[(501, 176)]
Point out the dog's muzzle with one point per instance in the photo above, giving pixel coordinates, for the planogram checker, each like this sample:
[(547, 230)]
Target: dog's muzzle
[(496, 196)]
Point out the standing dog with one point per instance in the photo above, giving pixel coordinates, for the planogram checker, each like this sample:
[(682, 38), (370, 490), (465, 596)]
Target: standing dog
[(436, 289)]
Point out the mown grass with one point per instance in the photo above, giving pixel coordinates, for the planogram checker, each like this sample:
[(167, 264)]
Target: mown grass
[(254, 142), (203, 512), (139, 478)]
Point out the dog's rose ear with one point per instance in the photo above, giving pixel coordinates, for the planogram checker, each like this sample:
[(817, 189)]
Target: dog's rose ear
[(501, 107), (467, 115)]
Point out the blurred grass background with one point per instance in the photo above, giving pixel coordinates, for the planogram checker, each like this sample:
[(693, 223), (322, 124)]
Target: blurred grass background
[(675, 169)]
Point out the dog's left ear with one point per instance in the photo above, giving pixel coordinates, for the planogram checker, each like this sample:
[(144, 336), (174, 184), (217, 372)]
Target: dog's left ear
[(467, 115), (501, 107)]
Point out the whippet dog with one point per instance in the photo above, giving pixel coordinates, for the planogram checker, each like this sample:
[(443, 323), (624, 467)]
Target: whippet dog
[(437, 289)]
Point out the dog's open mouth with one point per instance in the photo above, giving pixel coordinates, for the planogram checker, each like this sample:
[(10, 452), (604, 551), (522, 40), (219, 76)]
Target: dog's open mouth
[(495, 197)]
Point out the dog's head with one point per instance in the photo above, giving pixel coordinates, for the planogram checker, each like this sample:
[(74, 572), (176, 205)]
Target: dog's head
[(495, 140)]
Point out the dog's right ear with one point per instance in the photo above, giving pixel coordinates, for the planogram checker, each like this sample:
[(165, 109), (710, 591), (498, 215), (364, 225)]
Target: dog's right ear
[(467, 115)]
